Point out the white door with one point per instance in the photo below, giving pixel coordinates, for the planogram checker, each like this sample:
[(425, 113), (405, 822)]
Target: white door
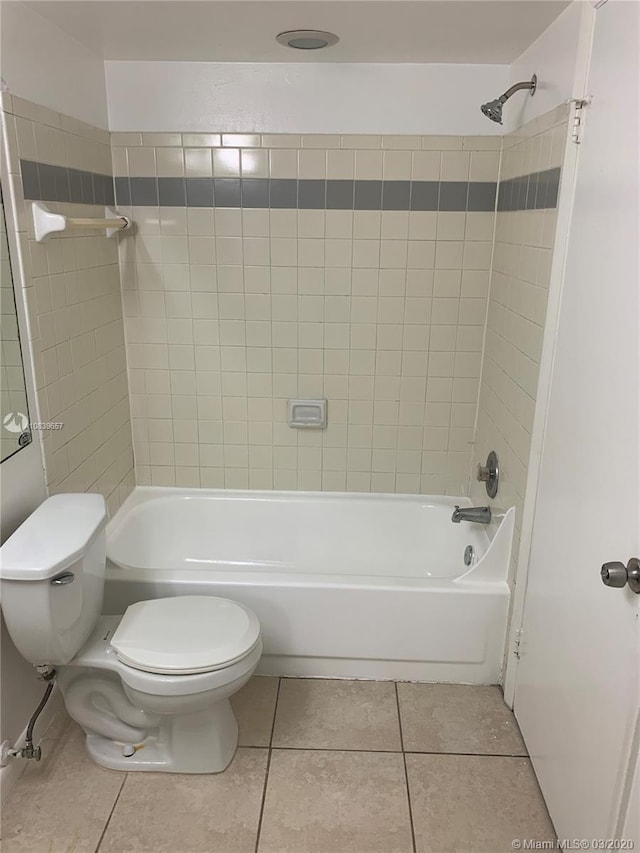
[(577, 684), (631, 823)]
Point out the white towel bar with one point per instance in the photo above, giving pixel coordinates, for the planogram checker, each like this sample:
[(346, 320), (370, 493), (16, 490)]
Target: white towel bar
[(46, 222)]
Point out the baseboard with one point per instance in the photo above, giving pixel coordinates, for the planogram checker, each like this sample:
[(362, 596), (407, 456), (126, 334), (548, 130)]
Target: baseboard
[(10, 774), (293, 666)]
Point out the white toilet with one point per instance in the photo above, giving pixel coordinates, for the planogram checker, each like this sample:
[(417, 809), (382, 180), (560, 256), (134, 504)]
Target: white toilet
[(151, 688)]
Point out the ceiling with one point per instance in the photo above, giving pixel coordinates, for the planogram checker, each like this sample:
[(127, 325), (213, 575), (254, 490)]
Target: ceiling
[(455, 31)]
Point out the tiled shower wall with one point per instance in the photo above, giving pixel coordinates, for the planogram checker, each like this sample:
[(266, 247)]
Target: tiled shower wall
[(532, 159), (13, 397), (74, 304), (262, 268)]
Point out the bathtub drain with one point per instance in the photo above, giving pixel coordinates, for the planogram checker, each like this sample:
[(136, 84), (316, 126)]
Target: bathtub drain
[(468, 555)]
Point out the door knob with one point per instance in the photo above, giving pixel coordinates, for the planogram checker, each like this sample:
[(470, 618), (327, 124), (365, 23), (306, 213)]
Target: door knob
[(618, 575)]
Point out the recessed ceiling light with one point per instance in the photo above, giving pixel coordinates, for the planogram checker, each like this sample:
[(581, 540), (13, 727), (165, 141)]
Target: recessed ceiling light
[(307, 39)]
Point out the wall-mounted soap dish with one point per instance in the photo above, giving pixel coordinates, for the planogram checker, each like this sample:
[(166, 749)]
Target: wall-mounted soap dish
[(307, 414)]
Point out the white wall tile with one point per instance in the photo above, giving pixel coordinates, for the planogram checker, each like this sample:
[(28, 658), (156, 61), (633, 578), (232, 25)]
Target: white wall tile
[(231, 311), (516, 314), (369, 165), (226, 162), (75, 313)]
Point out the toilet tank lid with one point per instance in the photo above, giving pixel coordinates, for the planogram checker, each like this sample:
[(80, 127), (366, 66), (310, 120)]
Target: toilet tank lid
[(53, 537)]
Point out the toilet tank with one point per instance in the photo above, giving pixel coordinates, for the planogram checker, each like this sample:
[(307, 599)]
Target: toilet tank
[(52, 572)]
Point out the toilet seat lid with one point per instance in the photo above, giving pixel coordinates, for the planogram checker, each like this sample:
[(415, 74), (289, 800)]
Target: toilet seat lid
[(186, 634)]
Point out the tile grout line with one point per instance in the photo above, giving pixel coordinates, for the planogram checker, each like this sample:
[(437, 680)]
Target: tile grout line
[(404, 764), (266, 777), (469, 754), (113, 808), (392, 751)]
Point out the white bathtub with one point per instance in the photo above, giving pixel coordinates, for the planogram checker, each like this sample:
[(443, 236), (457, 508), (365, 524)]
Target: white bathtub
[(344, 585)]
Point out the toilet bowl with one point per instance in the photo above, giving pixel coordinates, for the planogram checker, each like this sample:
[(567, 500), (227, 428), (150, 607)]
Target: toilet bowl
[(178, 720), (150, 688)]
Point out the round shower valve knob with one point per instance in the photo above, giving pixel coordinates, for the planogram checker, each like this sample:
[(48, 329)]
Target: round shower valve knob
[(489, 474)]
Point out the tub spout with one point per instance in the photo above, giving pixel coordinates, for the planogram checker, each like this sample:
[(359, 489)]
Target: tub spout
[(478, 514)]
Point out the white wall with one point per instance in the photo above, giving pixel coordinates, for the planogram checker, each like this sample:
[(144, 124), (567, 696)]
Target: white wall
[(302, 98), (22, 489), (43, 64), (554, 57)]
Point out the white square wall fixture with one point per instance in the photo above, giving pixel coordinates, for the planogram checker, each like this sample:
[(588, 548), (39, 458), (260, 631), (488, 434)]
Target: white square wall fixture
[(307, 414)]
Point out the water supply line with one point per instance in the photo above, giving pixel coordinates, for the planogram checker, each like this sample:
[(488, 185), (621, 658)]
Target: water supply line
[(29, 750)]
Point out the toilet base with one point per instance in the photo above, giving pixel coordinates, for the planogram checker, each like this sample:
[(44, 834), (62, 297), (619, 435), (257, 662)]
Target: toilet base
[(150, 755), (168, 724), (203, 742)]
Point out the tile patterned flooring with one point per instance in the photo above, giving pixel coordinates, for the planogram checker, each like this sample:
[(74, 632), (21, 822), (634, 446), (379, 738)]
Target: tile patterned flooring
[(323, 767)]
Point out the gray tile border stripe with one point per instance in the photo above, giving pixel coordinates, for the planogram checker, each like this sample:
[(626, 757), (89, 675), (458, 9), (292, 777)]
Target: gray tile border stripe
[(453, 195), (312, 194), (44, 182), (340, 195), (255, 192), (199, 191), (172, 192), (226, 192), (536, 191), (283, 193), (123, 190), (368, 195), (396, 195), (481, 195), (47, 182), (425, 195), (144, 191)]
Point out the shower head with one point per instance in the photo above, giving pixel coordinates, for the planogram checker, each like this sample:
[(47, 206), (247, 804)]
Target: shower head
[(493, 109)]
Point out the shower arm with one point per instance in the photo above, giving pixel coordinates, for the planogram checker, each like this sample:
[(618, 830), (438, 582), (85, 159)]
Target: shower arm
[(517, 87)]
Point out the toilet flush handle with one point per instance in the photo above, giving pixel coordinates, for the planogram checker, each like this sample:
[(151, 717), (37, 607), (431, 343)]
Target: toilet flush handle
[(63, 579)]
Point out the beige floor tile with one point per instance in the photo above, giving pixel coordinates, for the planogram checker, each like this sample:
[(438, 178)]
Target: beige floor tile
[(457, 718), (159, 812), (335, 802), (319, 714), (254, 707), (475, 804), (61, 726), (61, 803)]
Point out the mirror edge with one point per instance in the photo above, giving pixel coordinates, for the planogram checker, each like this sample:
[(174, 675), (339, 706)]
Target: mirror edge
[(25, 469)]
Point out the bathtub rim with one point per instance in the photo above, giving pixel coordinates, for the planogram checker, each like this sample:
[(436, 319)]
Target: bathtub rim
[(140, 495), (478, 576)]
